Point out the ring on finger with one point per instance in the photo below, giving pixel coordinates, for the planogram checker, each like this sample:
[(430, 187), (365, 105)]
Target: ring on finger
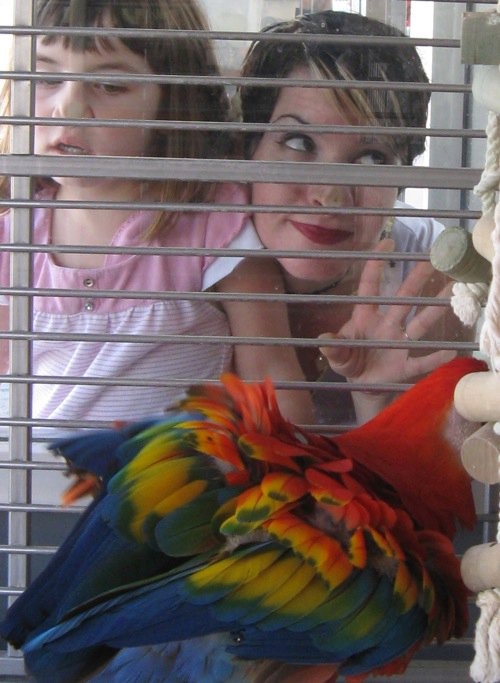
[(405, 334)]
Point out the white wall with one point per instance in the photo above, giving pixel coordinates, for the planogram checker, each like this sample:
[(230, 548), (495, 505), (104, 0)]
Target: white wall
[(236, 15)]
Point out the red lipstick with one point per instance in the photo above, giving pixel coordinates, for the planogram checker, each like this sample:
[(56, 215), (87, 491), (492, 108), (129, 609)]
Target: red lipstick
[(320, 235)]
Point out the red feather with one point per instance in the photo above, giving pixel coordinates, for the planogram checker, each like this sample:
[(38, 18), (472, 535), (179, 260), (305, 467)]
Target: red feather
[(419, 433), (308, 549)]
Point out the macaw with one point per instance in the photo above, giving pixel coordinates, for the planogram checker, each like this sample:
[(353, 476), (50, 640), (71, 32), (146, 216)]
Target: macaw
[(227, 544)]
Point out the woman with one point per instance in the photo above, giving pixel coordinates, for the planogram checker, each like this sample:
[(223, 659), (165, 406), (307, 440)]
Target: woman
[(297, 108)]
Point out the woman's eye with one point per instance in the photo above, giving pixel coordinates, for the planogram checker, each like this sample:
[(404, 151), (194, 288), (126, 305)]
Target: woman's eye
[(372, 158), (299, 143)]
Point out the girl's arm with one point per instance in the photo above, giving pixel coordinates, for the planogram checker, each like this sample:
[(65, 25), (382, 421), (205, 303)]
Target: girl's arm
[(265, 319)]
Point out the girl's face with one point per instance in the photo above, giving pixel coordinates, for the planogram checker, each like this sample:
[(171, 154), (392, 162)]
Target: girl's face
[(331, 231), (93, 100)]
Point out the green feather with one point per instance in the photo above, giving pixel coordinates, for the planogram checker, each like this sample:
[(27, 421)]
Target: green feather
[(190, 529)]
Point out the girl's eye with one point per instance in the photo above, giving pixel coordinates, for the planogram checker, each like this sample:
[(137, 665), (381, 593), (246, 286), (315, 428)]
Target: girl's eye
[(48, 83), (114, 88), (372, 158), (299, 143)]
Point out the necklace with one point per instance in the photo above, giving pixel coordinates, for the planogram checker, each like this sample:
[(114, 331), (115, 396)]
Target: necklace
[(332, 285)]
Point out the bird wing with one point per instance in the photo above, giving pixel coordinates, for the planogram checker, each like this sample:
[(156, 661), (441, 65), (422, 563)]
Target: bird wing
[(298, 598), (288, 545)]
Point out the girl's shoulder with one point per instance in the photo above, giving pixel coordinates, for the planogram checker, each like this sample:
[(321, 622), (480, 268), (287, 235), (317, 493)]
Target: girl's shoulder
[(217, 227)]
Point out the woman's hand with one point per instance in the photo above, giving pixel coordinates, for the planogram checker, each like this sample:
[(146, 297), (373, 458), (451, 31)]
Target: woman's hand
[(375, 322)]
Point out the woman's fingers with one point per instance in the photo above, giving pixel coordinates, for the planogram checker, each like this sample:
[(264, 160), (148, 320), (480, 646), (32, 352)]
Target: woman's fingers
[(427, 316), (422, 365), (373, 322), (343, 359), (416, 279), (412, 285), (371, 275)]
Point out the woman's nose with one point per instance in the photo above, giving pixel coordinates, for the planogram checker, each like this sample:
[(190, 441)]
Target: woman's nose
[(328, 195), (72, 102)]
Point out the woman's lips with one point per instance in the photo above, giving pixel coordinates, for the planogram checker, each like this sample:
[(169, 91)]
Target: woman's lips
[(319, 235)]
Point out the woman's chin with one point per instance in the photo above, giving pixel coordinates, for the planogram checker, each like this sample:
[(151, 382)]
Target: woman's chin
[(310, 276)]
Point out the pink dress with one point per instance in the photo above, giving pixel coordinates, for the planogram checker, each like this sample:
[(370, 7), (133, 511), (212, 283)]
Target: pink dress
[(157, 356)]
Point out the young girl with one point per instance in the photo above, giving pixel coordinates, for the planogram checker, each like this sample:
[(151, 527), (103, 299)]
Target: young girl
[(125, 88)]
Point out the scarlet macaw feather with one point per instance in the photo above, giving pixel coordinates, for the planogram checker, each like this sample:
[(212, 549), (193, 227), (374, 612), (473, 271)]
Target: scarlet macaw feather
[(225, 526)]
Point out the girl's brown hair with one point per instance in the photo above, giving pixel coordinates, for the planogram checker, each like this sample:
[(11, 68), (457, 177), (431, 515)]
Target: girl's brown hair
[(179, 56)]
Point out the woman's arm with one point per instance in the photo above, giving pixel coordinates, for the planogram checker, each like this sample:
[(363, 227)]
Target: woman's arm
[(265, 319)]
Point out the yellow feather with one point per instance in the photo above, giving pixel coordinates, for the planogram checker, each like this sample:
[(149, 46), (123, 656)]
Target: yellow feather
[(185, 494), (155, 485), (233, 570), (282, 573), (163, 446), (314, 594), (405, 586), (314, 545), (357, 549)]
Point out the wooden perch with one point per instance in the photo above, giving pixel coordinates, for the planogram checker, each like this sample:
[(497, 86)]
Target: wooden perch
[(477, 397), (486, 86), (481, 455), (480, 40), (454, 254), (480, 567), (481, 236)]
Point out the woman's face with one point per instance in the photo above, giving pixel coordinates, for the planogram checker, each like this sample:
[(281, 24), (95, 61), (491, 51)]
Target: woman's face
[(331, 231)]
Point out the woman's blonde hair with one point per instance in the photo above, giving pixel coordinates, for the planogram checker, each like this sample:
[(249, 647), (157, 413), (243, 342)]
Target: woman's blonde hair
[(179, 56), (342, 61)]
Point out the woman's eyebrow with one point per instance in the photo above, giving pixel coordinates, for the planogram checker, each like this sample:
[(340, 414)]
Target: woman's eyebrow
[(295, 117), (375, 139)]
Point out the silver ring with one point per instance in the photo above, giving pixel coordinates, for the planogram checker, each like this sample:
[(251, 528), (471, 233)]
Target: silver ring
[(405, 334)]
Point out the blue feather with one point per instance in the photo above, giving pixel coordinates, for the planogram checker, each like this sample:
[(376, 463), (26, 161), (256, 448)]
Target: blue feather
[(400, 638), (329, 567), (101, 451)]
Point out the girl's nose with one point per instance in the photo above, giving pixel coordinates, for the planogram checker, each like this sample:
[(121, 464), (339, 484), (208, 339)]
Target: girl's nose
[(328, 195), (72, 101)]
